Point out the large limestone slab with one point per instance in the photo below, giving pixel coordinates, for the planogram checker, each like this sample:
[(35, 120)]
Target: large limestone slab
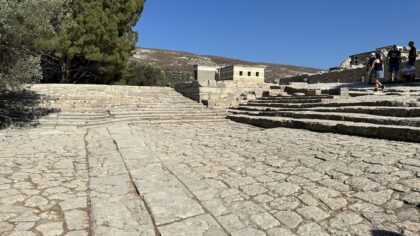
[(201, 225), (121, 216), (171, 205)]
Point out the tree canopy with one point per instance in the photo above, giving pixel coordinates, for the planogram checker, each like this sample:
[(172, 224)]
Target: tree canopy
[(72, 41), (23, 24)]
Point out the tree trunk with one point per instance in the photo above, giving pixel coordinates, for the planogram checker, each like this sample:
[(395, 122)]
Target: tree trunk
[(65, 71)]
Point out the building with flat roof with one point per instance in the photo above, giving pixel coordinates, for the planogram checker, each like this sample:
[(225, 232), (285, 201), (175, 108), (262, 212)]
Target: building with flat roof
[(243, 73), (205, 73)]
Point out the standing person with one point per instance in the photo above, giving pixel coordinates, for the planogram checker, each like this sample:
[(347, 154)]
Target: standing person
[(369, 64), (412, 56), (409, 73), (378, 66), (394, 61)]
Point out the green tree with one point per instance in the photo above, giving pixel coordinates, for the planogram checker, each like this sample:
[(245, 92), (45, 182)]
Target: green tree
[(142, 75), (23, 25), (96, 41)]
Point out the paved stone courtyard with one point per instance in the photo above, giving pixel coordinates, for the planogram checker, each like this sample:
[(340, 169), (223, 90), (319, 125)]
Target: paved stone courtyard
[(219, 178)]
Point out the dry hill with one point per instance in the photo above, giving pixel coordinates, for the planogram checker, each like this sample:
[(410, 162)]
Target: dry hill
[(178, 65)]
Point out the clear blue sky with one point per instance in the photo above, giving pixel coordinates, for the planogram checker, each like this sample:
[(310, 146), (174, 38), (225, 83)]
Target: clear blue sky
[(315, 33)]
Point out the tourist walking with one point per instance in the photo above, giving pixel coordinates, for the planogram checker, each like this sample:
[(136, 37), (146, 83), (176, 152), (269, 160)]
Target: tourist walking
[(378, 67), (412, 56), (394, 61)]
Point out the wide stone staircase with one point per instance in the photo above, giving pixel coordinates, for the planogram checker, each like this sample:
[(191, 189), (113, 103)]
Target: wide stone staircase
[(387, 116), (88, 105)]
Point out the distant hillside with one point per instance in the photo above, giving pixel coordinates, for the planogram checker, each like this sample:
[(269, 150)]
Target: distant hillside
[(178, 65)]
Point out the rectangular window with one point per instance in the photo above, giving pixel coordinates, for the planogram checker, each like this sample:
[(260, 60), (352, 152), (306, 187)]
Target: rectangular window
[(249, 73), (241, 73), (258, 74)]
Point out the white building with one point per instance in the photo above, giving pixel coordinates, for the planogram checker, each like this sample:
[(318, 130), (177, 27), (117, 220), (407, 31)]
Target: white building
[(243, 73)]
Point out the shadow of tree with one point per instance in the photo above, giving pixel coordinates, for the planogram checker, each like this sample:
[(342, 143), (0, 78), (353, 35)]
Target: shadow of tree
[(377, 232), (21, 109)]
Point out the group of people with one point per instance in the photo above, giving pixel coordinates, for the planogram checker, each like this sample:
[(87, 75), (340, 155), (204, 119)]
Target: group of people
[(376, 64)]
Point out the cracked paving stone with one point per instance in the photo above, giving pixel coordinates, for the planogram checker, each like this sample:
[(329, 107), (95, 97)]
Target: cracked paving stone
[(362, 184), (345, 219), (377, 198), (74, 204), (253, 189), (231, 222), (216, 207), (200, 225), (171, 205), (285, 188), (249, 232), (51, 229), (265, 221), (36, 201), (280, 232), (313, 213), (76, 219), (289, 218), (311, 229)]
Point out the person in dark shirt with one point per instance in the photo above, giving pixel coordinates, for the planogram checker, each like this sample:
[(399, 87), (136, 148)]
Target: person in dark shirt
[(394, 61), (378, 67), (412, 55)]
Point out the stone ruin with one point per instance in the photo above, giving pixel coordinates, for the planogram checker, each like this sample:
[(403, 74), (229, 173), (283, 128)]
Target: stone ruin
[(121, 160)]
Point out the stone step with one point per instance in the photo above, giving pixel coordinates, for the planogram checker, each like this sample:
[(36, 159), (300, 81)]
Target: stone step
[(131, 117), (59, 123), (122, 106), (379, 111), (328, 104), (167, 113), (289, 100), (397, 133), (114, 101), (297, 97), (357, 118)]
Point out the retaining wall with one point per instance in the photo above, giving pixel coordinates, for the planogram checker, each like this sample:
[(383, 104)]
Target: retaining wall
[(346, 76)]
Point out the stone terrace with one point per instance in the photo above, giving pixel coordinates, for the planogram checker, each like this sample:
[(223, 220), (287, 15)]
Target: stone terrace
[(393, 115), (152, 177)]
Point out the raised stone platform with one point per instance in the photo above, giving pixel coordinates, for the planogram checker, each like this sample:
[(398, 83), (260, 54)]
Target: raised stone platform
[(393, 115), (89, 105)]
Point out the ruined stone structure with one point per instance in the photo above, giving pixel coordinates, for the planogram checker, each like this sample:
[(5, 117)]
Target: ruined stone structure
[(395, 116), (230, 85), (361, 59), (119, 160), (342, 76), (88, 105)]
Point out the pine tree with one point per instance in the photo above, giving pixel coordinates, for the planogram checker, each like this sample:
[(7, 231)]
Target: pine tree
[(96, 40)]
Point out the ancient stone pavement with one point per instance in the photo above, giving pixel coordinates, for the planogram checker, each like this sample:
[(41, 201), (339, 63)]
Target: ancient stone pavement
[(219, 178)]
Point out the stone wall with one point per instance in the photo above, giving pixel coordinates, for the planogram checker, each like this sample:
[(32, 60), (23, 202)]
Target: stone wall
[(345, 76), (221, 94)]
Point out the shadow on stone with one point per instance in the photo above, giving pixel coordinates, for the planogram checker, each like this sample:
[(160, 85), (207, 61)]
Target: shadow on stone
[(21, 109), (384, 233)]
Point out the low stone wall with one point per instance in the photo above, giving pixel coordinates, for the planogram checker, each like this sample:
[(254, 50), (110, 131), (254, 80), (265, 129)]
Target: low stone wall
[(346, 76), (221, 94)]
